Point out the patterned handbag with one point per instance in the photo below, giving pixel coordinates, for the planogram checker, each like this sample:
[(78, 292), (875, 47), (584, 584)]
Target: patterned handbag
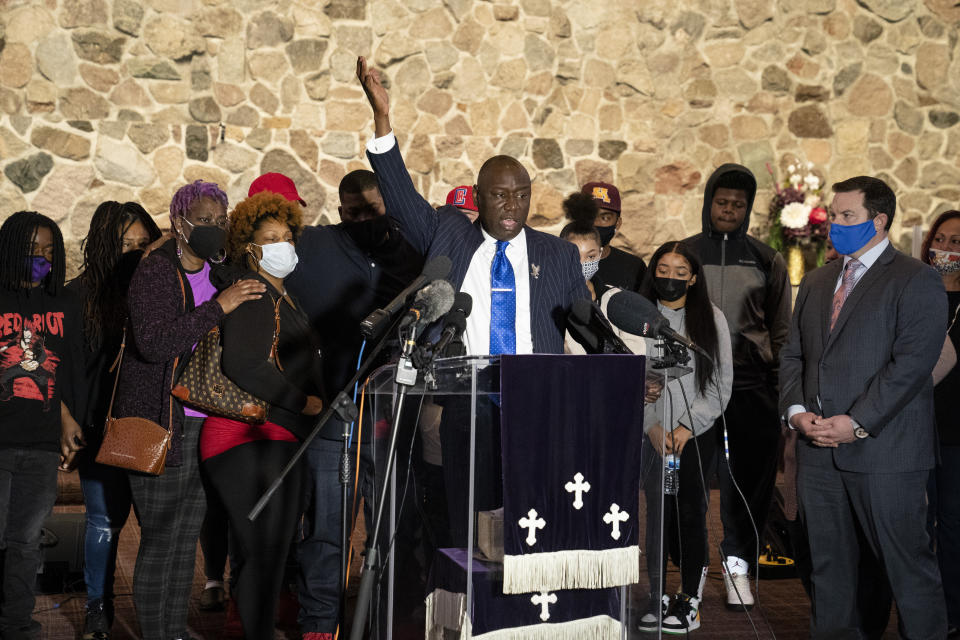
[(204, 386), (132, 443)]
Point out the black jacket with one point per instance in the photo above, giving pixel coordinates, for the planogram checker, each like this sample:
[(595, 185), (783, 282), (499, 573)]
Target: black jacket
[(748, 281)]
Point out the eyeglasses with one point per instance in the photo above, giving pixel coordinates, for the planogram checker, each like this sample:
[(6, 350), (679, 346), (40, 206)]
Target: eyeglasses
[(208, 222)]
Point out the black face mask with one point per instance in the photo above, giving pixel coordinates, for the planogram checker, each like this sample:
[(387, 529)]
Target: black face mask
[(606, 234), (669, 289), (126, 266), (207, 241), (369, 234)]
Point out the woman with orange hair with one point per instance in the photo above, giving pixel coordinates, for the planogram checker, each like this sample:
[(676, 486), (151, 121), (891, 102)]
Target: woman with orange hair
[(241, 460)]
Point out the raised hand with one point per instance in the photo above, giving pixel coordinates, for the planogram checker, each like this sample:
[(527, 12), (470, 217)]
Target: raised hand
[(377, 96)]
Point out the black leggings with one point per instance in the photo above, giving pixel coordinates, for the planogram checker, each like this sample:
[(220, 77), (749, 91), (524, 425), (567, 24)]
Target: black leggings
[(686, 543), (258, 549)]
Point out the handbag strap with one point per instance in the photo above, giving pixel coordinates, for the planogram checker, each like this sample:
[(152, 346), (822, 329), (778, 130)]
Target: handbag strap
[(116, 378), (276, 333)]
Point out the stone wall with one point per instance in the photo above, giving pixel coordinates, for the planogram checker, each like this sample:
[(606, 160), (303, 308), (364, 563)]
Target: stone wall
[(117, 99)]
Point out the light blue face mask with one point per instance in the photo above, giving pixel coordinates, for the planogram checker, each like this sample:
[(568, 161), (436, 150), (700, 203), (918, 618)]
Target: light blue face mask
[(849, 239)]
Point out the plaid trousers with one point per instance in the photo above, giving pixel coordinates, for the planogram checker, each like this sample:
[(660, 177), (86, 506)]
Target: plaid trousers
[(170, 508)]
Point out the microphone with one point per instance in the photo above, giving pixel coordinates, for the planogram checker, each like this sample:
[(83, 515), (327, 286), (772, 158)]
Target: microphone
[(430, 303), (592, 330), (456, 321), (436, 269), (635, 314)]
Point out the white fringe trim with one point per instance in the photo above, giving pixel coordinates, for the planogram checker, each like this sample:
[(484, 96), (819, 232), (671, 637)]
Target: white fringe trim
[(444, 610), (578, 569), (595, 628)]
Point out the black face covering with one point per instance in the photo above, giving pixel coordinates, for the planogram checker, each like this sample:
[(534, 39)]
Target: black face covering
[(207, 241), (606, 234), (125, 267), (669, 289), (369, 234)]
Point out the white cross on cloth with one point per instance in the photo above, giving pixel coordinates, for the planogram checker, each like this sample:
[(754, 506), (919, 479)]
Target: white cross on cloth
[(615, 517), (531, 523), (544, 600), (577, 487)]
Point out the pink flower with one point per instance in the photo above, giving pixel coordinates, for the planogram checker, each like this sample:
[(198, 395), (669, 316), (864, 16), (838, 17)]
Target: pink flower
[(818, 215)]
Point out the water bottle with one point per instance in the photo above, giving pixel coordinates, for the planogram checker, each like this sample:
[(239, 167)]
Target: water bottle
[(671, 474)]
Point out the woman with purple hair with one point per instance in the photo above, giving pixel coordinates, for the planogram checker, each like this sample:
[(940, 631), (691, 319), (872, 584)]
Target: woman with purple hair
[(173, 301)]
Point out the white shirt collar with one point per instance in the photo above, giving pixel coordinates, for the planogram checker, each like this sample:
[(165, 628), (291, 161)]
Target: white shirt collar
[(519, 241), (870, 256)]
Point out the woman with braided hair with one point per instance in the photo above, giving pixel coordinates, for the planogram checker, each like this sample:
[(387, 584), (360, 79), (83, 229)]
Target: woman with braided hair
[(114, 245)]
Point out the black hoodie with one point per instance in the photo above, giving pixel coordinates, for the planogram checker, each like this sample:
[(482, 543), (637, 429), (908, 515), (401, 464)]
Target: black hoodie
[(748, 281)]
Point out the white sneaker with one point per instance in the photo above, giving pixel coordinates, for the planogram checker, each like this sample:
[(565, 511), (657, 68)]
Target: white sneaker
[(650, 620), (682, 616), (737, 581)]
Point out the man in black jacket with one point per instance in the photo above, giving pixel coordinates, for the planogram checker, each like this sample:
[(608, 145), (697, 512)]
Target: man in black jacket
[(748, 281)]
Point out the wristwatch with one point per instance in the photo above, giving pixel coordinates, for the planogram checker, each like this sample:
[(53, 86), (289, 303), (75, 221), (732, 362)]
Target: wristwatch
[(859, 431)]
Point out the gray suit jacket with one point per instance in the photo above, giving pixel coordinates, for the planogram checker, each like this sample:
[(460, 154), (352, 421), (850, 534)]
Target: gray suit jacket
[(874, 366)]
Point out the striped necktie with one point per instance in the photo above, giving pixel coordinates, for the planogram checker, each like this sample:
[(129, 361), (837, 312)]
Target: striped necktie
[(840, 296)]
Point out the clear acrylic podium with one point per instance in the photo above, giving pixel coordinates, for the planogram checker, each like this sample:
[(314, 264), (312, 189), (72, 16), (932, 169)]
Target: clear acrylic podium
[(472, 379)]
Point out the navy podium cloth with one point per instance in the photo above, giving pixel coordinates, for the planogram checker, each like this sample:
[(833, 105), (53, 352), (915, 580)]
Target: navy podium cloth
[(571, 433), (574, 614)]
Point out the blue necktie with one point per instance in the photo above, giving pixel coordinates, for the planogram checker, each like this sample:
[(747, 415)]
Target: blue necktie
[(503, 303)]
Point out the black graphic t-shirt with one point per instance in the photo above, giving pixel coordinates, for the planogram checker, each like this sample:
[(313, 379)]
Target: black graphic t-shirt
[(41, 364)]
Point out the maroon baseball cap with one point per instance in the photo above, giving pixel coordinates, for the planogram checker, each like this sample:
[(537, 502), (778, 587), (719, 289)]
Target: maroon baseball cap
[(462, 198), (279, 184), (606, 195)]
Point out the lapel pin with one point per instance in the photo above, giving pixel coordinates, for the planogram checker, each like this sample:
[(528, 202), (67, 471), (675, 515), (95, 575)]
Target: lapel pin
[(535, 271)]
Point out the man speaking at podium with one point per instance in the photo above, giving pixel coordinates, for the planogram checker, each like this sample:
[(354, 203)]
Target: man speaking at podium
[(522, 283)]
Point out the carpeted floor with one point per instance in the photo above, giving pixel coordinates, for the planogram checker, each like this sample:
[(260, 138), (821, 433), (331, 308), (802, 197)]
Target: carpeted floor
[(783, 614)]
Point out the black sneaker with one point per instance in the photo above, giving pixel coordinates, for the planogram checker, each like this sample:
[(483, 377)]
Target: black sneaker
[(96, 625), (650, 620), (682, 615)]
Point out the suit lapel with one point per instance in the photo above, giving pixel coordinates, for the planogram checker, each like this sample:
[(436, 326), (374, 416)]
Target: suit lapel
[(873, 275), (461, 253), (826, 299), (535, 266)]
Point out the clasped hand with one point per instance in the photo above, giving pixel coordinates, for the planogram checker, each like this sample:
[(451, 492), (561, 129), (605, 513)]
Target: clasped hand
[(824, 432)]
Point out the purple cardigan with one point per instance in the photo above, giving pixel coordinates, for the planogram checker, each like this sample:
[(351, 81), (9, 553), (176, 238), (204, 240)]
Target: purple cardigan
[(162, 329)]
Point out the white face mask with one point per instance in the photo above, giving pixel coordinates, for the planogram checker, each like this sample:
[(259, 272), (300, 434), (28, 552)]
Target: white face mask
[(279, 258)]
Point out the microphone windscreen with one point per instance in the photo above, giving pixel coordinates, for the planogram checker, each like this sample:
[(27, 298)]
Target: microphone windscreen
[(437, 269), (463, 302), (437, 298), (581, 310), (633, 313)]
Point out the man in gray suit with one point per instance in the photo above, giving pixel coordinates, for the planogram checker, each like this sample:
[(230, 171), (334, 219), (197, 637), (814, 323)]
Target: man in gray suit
[(855, 382)]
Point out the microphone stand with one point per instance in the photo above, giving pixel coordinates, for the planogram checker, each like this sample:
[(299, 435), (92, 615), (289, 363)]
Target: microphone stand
[(406, 377)]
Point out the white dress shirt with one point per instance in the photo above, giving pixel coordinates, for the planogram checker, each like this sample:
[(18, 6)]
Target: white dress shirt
[(476, 338), (867, 260)]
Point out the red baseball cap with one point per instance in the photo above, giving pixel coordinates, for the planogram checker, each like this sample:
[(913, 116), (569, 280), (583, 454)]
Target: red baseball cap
[(606, 195), (279, 184), (462, 198)]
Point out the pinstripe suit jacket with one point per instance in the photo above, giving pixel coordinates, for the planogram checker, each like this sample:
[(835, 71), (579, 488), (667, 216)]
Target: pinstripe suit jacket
[(874, 365), (553, 286)]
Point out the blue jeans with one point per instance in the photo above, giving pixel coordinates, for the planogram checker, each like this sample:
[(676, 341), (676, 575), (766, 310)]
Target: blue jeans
[(318, 551), (28, 489), (106, 495), (944, 501)]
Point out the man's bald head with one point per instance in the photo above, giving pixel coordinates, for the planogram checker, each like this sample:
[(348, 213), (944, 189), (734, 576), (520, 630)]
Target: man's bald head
[(502, 195)]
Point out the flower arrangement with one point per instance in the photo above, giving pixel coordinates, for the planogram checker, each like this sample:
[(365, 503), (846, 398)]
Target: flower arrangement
[(797, 217)]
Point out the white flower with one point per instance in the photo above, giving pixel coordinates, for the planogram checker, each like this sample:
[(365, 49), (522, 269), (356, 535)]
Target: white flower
[(812, 200), (809, 165), (812, 182), (791, 169), (795, 215), (796, 179)]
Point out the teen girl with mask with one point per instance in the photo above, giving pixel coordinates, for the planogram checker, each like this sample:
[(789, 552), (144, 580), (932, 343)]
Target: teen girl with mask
[(581, 209), (172, 303), (941, 250), (241, 460), (676, 284)]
